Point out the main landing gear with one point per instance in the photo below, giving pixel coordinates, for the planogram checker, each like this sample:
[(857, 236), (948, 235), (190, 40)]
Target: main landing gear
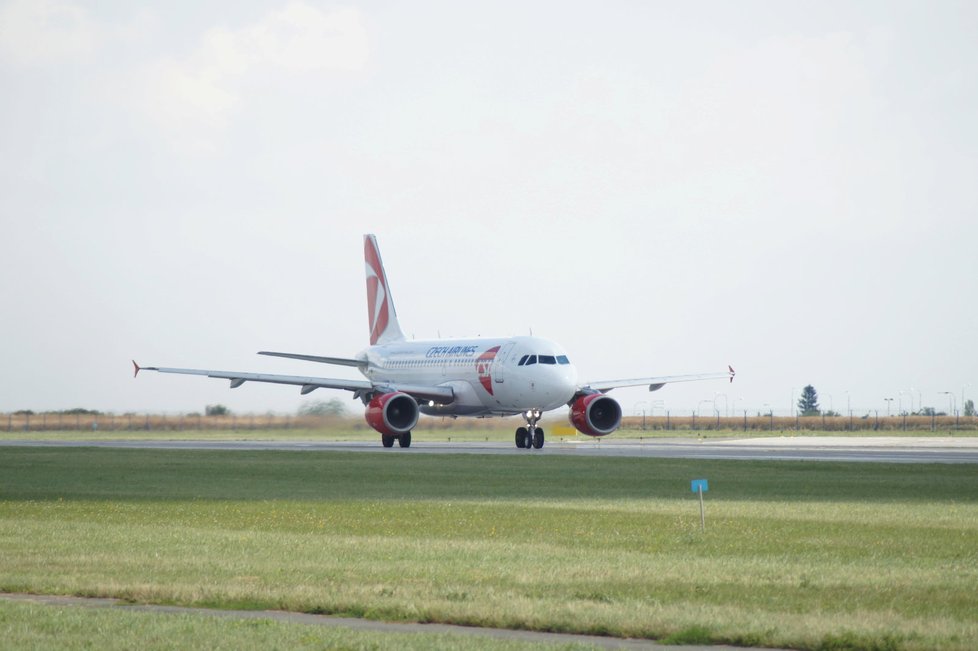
[(404, 440), (531, 436)]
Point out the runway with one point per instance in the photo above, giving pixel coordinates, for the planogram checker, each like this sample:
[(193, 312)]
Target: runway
[(850, 449)]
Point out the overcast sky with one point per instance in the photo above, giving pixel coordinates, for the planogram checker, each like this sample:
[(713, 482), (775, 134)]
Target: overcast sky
[(661, 187)]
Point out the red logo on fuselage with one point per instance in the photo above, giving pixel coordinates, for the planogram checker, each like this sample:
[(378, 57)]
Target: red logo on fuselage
[(484, 367)]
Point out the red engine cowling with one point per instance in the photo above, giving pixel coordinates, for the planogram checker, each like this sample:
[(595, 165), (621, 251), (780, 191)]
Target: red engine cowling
[(595, 414), (392, 414)]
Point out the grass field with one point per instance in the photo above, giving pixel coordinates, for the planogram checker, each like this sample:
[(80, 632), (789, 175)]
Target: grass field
[(800, 555)]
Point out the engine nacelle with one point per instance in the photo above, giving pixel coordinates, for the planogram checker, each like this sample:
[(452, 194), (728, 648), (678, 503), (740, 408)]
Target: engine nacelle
[(595, 414), (392, 414)]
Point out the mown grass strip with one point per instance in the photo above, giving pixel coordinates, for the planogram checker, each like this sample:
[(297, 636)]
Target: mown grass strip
[(796, 555)]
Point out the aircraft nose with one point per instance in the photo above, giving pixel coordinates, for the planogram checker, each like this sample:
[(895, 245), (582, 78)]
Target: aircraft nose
[(568, 380)]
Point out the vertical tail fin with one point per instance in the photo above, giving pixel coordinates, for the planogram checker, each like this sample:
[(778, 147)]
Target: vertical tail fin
[(380, 307)]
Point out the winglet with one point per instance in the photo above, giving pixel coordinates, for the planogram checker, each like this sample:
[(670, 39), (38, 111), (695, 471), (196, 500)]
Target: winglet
[(732, 373), (137, 368)]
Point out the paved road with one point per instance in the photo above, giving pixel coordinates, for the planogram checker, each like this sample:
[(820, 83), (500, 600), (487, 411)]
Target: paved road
[(371, 625), (835, 448)]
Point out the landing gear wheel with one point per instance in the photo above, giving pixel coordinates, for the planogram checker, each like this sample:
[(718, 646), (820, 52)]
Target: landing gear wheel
[(388, 441), (538, 438), (521, 436), (404, 440), (531, 436)]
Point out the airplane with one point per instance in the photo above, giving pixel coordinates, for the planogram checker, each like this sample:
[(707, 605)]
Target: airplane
[(479, 377)]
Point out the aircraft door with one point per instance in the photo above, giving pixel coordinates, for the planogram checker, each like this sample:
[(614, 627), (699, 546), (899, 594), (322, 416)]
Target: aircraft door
[(498, 374)]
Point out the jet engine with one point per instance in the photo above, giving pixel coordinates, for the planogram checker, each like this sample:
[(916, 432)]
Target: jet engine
[(595, 414), (392, 414)]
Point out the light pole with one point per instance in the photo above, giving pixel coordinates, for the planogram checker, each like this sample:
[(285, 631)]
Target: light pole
[(950, 402), (920, 399), (642, 403), (888, 401), (726, 405)]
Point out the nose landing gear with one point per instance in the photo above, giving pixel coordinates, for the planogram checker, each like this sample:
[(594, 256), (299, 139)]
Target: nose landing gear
[(532, 436)]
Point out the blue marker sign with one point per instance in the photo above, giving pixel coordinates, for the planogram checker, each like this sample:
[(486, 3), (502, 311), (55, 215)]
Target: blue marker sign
[(700, 486)]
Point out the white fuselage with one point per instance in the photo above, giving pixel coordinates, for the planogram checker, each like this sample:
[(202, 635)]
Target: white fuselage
[(488, 376)]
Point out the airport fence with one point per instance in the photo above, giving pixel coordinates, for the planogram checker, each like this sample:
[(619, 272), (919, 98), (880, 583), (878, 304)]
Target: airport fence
[(132, 422), (821, 423)]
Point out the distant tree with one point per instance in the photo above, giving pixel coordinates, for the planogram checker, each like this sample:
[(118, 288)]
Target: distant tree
[(969, 407), (930, 411), (808, 403), (332, 407), (216, 410)]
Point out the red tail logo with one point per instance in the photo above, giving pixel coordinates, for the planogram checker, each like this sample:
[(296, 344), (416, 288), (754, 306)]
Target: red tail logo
[(378, 310), (484, 367)]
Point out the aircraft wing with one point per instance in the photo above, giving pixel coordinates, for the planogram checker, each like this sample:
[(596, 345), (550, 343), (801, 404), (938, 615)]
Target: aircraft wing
[(309, 384), (656, 383), (340, 361)]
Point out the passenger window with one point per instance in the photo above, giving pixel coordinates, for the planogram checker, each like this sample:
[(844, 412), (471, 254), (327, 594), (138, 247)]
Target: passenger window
[(562, 359), (532, 360), (523, 360), (548, 359)]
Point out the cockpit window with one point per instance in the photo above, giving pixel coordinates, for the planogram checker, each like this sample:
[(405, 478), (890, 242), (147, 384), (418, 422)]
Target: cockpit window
[(526, 360)]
